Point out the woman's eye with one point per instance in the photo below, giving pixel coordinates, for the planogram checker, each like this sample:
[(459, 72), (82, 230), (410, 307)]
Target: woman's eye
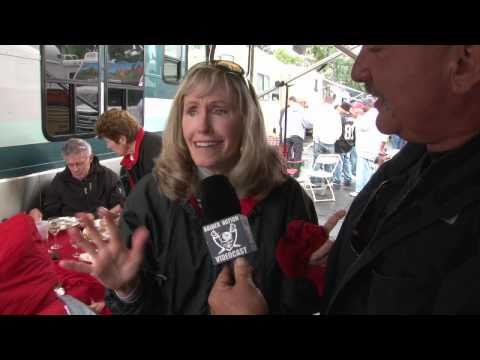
[(191, 112), (220, 111)]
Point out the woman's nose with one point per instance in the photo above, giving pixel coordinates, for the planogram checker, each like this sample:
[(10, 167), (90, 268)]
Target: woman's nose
[(204, 121)]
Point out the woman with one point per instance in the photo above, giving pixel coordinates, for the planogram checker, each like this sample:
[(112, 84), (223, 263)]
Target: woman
[(215, 127), (124, 135)]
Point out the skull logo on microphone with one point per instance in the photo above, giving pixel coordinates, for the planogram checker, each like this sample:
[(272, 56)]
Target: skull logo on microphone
[(227, 240)]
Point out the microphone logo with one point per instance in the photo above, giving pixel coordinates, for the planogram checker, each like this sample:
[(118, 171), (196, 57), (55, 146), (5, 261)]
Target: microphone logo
[(227, 241), (229, 238)]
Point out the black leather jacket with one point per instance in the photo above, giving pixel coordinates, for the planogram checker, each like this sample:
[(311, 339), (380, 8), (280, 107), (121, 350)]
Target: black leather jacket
[(410, 243), (178, 273)]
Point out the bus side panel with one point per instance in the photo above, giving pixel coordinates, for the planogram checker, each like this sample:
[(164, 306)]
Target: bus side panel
[(156, 114), (158, 92), (20, 96)]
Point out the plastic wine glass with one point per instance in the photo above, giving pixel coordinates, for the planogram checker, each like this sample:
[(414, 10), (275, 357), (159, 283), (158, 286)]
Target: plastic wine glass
[(54, 229), (74, 244)]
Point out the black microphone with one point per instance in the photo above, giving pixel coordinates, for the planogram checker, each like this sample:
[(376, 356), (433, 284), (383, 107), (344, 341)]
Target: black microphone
[(226, 231)]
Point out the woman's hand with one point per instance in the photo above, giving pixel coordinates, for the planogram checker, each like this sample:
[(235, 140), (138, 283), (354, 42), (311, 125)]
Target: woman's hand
[(114, 213), (114, 265), (320, 256)]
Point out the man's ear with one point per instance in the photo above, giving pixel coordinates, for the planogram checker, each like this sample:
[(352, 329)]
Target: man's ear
[(465, 69)]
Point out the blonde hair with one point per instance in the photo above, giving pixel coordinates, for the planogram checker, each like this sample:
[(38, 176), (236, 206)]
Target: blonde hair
[(260, 166)]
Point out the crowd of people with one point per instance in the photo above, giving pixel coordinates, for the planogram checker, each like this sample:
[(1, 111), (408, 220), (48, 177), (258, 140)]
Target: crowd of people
[(408, 244), (339, 127)]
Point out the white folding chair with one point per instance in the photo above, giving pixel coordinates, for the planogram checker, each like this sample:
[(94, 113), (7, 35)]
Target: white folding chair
[(322, 173)]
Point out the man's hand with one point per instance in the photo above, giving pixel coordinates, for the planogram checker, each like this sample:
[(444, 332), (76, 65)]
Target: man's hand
[(320, 256), (236, 294)]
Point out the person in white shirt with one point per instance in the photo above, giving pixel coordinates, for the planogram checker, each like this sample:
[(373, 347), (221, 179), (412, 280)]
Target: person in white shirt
[(327, 129), (295, 129), (370, 145)]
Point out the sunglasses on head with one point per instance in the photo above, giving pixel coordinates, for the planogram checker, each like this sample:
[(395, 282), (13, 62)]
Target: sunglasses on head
[(228, 67), (225, 65)]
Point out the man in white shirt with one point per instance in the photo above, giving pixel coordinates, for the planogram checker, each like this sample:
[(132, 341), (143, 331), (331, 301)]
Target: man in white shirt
[(369, 145), (295, 129), (327, 129)]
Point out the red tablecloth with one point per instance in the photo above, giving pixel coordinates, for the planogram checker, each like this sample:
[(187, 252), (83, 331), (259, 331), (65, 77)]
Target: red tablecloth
[(79, 285), (28, 276)]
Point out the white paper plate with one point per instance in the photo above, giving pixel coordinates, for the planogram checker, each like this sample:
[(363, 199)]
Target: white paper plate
[(85, 257)]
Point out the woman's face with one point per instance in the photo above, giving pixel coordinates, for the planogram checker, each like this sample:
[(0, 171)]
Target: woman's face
[(212, 129), (120, 148)]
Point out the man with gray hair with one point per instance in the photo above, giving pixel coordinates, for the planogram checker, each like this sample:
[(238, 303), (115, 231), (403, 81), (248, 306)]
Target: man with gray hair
[(83, 186)]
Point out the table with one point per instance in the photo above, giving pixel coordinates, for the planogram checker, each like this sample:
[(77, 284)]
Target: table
[(79, 285)]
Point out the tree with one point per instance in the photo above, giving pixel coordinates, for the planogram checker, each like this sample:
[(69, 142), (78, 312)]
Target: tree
[(320, 52), (283, 56), (341, 67)]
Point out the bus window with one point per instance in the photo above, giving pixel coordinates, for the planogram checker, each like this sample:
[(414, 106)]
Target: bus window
[(174, 57), (125, 78), (70, 91), (263, 84), (125, 64)]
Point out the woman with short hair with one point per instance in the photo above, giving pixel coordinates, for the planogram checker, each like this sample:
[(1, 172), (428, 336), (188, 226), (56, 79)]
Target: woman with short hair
[(124, 135)]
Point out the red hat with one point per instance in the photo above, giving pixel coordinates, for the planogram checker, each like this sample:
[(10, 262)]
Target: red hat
[(358, 105)]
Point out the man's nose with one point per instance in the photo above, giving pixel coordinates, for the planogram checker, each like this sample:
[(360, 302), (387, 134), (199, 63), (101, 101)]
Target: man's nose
[(360, 69)]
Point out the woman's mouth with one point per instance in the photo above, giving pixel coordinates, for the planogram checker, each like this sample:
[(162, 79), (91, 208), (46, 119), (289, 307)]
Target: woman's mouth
[(206, 144)]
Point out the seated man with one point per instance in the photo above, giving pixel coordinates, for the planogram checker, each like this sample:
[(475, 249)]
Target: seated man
[(83, 186)]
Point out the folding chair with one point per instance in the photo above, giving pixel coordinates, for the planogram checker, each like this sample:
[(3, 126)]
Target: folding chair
[(322, 173)]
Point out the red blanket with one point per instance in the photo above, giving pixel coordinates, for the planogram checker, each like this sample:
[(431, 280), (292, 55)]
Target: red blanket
[(28, 275)]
